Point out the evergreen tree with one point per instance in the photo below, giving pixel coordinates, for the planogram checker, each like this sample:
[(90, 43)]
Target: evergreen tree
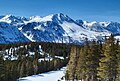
[(72, 64), (118, 61), (93, 61), (86, 53), (2, 69), (107, 69), (81, 66), (35, 66), (82, 69), (23, 69), (29, 68)]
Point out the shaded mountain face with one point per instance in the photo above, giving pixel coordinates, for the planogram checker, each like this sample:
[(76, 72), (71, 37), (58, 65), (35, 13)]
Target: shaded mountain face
[(53, 28), (9, 34), (47, 31), (114, 28)]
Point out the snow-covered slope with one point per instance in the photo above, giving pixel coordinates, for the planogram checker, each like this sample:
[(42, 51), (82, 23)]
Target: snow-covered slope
[(54, 28), (49, 76)]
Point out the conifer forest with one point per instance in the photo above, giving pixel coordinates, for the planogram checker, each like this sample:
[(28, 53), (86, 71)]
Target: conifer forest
[(97, 61), (25, 59)]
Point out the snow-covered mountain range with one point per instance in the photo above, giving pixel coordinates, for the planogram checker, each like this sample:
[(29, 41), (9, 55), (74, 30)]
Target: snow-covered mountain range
[(53, 28)]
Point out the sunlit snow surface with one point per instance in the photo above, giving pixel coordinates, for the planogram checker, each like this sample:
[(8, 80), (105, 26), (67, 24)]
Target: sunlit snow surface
[(48, 76)]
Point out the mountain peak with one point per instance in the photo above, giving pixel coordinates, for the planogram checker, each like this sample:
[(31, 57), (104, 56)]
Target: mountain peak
[(6, 18), (47, 18), (58, 18), (52, 17), (35, 19), (10, 16), (12, 19)]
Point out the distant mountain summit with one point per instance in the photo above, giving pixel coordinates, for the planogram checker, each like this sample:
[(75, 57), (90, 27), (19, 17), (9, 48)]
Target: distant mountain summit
[(53, 28)]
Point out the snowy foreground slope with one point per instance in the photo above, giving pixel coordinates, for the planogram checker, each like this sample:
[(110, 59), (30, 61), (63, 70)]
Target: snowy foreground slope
[(48, 76), (53, 28)]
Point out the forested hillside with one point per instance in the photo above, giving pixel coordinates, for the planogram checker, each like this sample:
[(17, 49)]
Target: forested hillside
[(25, 59), (98, 61)]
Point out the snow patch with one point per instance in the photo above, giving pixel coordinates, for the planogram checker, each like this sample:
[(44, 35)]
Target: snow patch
[(48, 76)]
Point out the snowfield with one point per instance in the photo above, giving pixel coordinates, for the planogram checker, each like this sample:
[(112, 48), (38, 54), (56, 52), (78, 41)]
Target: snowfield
[(48, 76)]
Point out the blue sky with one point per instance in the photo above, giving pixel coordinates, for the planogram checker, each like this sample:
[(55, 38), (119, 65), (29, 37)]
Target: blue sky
[(90, 10)]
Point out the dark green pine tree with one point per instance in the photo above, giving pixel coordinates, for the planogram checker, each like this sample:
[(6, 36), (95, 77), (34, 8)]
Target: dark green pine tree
[(72, 64), (2, 69), (82, 70), (107, 65), (86, 53), (118, 61), (113, 53), (29, 68), (81, 66), (93, 60), (23, 69), (35, 66)]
